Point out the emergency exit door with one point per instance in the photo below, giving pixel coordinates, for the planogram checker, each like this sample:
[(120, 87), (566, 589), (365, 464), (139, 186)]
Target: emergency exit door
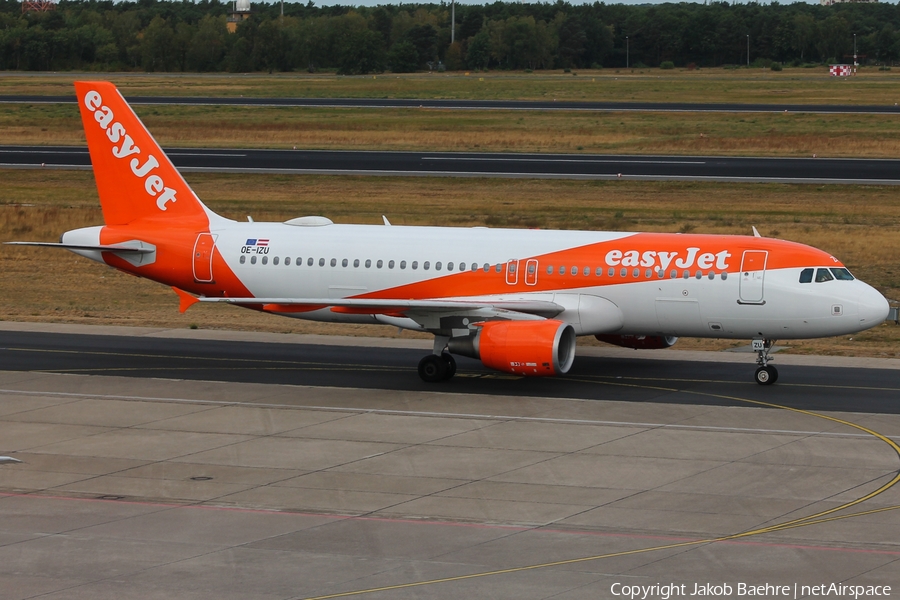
[(203, 256), (753, 275)]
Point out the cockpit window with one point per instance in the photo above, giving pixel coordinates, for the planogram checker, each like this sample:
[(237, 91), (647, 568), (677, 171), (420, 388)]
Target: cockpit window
[(806, 275), (842, 274), (823, 275)]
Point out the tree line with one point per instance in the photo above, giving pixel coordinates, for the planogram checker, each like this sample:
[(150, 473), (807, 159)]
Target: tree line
[(155, 35)]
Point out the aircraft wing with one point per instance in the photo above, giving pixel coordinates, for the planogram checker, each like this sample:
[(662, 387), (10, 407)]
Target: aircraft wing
[(540, 308)]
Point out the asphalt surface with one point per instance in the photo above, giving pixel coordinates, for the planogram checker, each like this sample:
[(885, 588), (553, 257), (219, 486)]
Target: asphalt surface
[(461, 164), (630, 380), (478, 104)]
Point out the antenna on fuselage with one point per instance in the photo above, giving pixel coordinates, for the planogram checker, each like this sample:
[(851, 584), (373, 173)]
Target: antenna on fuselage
[(755, 232), (386, 222)]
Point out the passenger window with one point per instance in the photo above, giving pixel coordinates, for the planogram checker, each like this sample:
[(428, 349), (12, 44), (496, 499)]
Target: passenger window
[(333, 262), (402, 264), (474, 267), (243, 259), (415, 265), (498, 267), (391, 264), (673, 274), (699, 275), (599, 272), (806, 275), (532, 267), (648, 273), (368, 263), (379, 264), (724, 275), (660, 273), (574, 271), (299, 261), (686, 274), (265, 260), (587, 271), (823, 275), (425, 265), (275, 261), (437, 266), (636, 273), (549, 269), (842, 274), (487, 267), (511, 268), (355, 263), (623, 272), (712, 275), (310, 262), (449, 266), (612, 272), (562, 270), (344, 263), (287, 261), (252, 260)]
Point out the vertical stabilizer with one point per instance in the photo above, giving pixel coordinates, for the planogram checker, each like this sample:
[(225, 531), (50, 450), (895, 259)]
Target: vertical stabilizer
[(135, 179)]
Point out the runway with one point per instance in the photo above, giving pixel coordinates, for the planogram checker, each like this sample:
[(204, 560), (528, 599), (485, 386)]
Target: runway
[(462, 164), (452, 104), (186, 463)]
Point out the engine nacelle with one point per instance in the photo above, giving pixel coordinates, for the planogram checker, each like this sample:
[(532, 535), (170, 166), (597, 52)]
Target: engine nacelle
[(639, 342), (533, 348)]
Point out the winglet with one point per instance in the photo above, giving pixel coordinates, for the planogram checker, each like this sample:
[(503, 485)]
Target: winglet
[(185, 300)]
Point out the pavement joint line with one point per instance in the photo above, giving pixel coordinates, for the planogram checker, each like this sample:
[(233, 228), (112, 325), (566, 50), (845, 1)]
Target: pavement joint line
[(448, 415), (823, 516), (336, 517), (820, 517)]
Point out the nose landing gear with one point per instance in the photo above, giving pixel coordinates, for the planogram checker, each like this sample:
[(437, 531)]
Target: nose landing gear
[(766, 374)]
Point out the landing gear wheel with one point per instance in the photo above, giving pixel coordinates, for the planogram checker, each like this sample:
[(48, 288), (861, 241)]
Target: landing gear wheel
[(766, 375), (451, 364), (433, 368)]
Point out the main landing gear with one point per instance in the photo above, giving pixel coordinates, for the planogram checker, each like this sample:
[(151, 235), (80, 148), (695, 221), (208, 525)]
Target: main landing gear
[(437, 367), (766, 374)]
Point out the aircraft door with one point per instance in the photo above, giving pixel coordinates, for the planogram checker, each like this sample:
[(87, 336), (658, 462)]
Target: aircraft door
[(753, 273), (203, 256), (531, 272), (512, 272)]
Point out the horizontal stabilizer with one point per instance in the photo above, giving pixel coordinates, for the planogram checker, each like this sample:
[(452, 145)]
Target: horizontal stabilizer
[(144, 249)]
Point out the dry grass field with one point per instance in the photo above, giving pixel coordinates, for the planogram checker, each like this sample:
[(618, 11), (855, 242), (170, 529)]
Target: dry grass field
[(791, 86), (861, 225), (766, 134), (857, 224)]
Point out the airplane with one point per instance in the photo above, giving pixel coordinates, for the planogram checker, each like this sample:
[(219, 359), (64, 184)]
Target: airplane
[(514, 299)]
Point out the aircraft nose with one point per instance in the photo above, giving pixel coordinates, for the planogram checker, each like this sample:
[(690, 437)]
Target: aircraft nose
[(873, 307)]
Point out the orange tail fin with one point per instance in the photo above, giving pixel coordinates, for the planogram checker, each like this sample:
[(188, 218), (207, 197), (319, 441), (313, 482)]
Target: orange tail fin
[(135, 179)]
